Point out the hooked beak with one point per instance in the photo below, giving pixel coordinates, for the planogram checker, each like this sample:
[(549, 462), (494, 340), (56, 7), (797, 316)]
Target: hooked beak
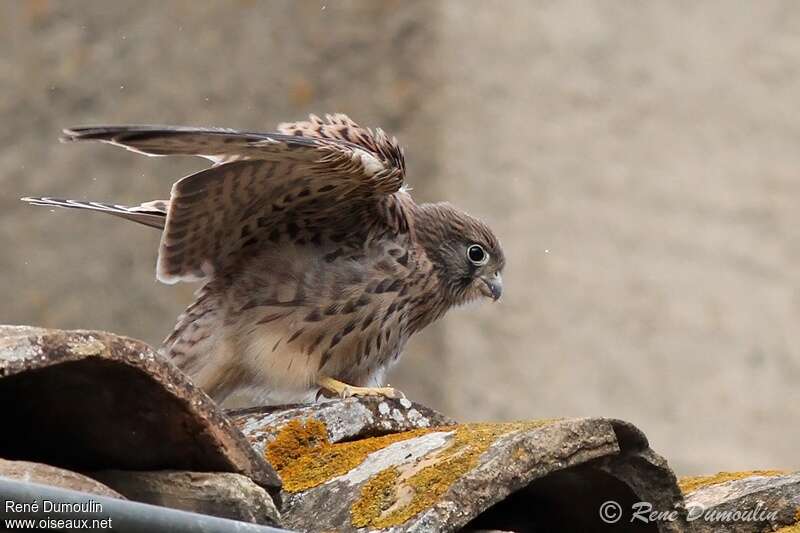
[(492, 286)]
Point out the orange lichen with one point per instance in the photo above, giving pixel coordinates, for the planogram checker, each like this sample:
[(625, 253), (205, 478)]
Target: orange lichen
[(377, 495), (304, 457), (691, 484), (397, 494), (794, 528), (294, 440)]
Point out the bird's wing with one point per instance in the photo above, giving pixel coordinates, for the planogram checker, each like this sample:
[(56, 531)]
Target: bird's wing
[(151, 214), (217, 144), (224, 145), (318, 183)]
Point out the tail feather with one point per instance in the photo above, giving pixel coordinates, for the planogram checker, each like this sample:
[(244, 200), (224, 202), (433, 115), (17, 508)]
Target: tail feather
[(151, 214)]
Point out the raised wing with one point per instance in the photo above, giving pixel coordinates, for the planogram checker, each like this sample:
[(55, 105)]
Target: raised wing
[(339, 127), (317, 183), (217, 144), (152, 214)]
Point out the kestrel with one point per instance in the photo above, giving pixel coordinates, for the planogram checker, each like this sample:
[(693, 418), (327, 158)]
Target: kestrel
[(317, 265)]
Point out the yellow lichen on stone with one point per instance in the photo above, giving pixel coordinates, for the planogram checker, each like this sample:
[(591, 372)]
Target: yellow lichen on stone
[(294, 440), (304, 457), (794, 528), (397, 494), (377, 495), (691, 484)]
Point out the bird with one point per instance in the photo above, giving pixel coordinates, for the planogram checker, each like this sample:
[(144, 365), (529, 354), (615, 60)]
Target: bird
[(316, 263)]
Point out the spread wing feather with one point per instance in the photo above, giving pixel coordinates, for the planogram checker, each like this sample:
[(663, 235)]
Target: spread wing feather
[(217, 144), (151, 214), (308, 181)]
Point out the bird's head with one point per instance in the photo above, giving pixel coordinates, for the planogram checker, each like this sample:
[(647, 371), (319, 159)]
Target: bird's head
[(466, 254)]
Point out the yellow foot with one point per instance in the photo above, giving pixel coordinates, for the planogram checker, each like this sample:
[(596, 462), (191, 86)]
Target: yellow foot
[(345, 391)]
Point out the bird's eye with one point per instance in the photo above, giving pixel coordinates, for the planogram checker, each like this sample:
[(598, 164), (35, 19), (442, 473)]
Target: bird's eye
[(477, 255)]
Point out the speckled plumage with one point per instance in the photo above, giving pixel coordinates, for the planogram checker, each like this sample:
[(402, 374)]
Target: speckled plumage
[(316, 261)]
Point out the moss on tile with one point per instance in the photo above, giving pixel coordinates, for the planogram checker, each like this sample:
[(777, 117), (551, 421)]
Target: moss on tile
[(375, 497), (294, 440), (691, 484), (397, 494), (304, 457)]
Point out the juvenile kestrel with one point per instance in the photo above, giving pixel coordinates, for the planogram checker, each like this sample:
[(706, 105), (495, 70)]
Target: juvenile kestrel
[(317, 264)]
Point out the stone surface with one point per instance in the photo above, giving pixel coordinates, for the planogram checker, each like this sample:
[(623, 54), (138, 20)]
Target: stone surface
[(348, 419), (50, 475), (219, 494), (525, 476), (743, 502), (93, 400)]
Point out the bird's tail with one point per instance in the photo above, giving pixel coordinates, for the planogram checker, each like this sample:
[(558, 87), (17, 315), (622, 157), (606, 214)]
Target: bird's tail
[(153, 214)]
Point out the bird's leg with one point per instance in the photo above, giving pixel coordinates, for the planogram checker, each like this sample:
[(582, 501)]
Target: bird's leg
[(345, 391)]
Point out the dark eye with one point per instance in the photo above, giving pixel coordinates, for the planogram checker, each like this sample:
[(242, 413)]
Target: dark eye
[(477, 255)]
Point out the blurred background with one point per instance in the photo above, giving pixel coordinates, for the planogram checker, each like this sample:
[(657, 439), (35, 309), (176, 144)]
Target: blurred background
[(639, 161)]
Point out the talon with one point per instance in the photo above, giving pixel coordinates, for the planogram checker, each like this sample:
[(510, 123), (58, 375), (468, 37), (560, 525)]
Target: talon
[(391, 392), (346, 391)]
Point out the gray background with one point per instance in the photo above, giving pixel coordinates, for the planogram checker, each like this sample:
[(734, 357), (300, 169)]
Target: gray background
[(639, 161)]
